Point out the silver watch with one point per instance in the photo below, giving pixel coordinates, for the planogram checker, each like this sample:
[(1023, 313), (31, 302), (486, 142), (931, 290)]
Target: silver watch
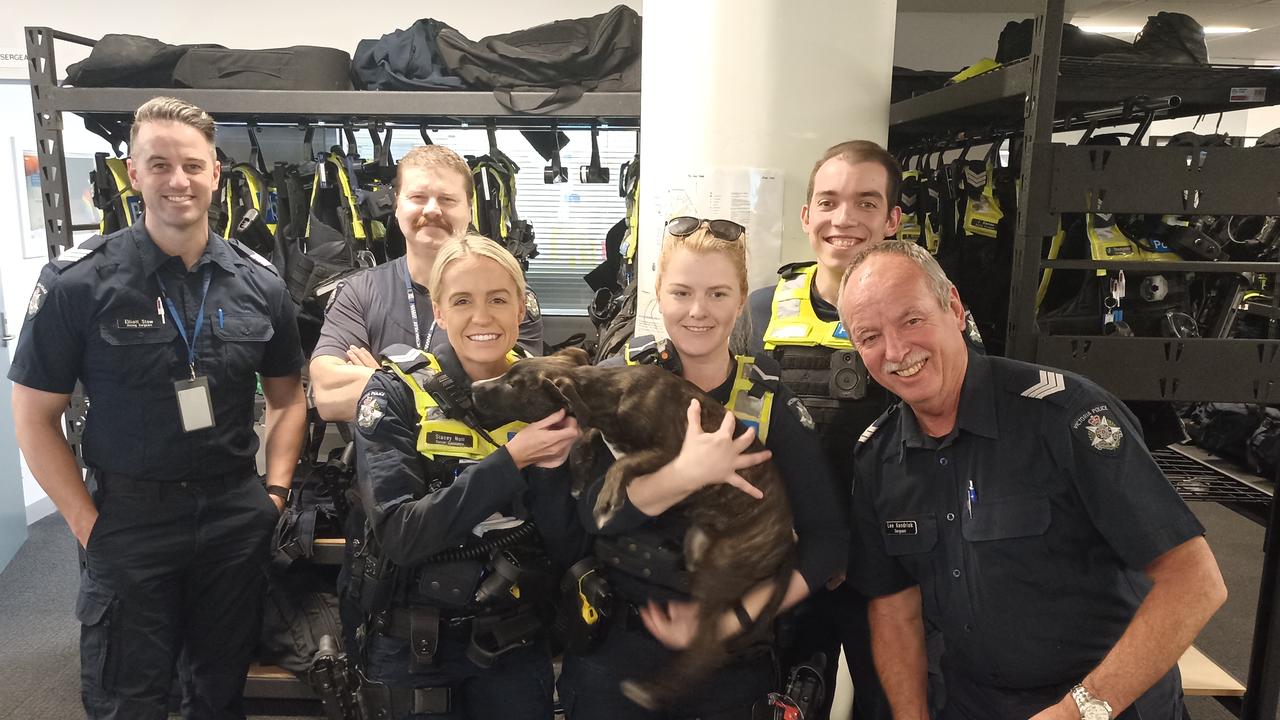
[(1091, 708)]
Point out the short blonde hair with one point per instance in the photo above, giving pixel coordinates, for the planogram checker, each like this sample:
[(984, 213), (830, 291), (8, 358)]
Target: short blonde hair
[(466, 246), (172, 109), (701, 240), (432, 157)]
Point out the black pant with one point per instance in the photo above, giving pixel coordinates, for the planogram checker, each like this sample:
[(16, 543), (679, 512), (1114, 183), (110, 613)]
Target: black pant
[(172, 567), (590, 683), (519, 686), (967, 700)]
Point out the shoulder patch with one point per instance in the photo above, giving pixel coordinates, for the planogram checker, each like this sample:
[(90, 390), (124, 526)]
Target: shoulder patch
[(801, 412), (372, 408), (1099, 428), (1050, 384), (37, 299), (76, 253), (248, 253), (532, 310)]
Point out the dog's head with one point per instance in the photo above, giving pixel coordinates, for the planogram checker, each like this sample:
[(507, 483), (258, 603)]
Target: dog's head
[(533, 388)]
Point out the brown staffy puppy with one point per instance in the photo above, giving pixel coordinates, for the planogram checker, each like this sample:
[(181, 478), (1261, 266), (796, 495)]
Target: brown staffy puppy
[(734, 541)]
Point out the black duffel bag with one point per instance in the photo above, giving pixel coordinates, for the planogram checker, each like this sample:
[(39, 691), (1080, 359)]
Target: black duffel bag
[(404, 60), (1015, 42), (128, 61), (301, 67), (601, 52)]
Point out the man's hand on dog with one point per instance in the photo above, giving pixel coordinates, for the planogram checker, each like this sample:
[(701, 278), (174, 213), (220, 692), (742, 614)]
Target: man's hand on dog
[(545, 443), (675, 623), (707, 458)]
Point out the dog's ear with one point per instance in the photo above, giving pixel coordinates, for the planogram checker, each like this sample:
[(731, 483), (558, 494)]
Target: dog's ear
[(567, 390), (575, 355)]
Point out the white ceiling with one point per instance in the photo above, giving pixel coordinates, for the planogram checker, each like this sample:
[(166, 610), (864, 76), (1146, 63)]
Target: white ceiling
[(1262, 45)]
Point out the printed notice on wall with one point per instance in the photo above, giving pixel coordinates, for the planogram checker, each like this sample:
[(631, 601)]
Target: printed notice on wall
[(751, 197)]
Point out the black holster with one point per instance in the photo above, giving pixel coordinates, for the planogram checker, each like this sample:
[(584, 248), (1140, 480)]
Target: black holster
[(493, 636)]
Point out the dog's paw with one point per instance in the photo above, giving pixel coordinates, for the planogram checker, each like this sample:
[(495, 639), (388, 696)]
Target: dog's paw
[(639, 694)]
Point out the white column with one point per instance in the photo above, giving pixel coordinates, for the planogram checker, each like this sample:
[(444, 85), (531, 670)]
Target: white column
[(732, 86)]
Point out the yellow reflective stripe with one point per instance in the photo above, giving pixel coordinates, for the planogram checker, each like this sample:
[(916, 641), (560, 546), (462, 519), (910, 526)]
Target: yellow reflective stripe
[(124, 187), (357, 223), (752, 411), (1055, 248), (795, 322)]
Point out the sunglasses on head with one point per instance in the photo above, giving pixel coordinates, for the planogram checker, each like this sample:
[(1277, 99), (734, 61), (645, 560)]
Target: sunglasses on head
[(723, 229)]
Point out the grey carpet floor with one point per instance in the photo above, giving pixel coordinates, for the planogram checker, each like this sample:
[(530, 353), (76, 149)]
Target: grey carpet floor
[(39, 650)]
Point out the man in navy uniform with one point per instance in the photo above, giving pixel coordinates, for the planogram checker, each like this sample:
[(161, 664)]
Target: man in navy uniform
[(1018, 509), (168, 327)]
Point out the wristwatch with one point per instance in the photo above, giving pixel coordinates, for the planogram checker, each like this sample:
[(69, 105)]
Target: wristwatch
[(1091, 707), (280, 492)]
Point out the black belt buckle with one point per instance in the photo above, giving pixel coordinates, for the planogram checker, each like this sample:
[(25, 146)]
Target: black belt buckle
[(424, 636)]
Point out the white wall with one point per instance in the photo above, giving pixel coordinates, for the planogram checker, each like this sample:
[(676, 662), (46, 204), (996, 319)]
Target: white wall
[(947, 41)]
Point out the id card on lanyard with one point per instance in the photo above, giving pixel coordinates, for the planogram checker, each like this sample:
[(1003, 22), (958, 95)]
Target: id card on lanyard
[(195, 404), (418, 340)]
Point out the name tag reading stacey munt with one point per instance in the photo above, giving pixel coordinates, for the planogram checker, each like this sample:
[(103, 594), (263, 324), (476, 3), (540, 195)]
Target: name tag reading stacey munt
[(195, 405)]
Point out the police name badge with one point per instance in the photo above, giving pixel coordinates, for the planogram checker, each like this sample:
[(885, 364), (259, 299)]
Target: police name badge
[(195, 405), (901, 527), (1099, 428), (37, 300), (373, 406)]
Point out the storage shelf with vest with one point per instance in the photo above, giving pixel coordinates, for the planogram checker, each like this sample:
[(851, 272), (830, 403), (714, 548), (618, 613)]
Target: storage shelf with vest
[(1044, 93), (1114, 177)]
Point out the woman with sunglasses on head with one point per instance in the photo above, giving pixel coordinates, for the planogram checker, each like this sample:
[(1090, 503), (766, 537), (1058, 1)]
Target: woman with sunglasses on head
[(702, 290), (469, 518)]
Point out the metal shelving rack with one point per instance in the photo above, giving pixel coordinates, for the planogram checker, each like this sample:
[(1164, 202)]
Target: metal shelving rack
[(1046, 91), (279, 107), (287, 108)]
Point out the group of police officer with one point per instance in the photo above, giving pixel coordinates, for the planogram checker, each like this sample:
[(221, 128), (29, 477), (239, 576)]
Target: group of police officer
[(1011, 508)]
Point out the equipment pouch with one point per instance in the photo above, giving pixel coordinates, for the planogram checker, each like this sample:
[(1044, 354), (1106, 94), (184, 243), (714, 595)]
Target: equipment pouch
[(449, 584)]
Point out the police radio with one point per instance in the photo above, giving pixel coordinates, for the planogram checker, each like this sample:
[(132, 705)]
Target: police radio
[(848, 376), (661, 353), (805, 691)]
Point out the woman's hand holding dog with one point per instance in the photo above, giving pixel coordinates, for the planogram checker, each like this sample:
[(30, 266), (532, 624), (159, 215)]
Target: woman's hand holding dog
[(545, 443), (705, 458)]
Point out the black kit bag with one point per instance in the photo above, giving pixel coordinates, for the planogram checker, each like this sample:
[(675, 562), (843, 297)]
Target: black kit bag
[(128, 61), (601, 52), (404, 60), (1015, 42), (301, 67)]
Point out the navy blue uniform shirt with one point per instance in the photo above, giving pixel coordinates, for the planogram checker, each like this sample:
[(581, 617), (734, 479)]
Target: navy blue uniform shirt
[(95, 320), (371, 310), (1034, 575)]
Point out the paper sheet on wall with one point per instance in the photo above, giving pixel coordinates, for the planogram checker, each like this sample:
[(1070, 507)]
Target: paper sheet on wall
[(751, 197)]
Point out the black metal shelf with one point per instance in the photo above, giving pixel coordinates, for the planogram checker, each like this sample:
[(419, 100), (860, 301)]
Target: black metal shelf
[(996, 99), (305, 106), (1177, 265), (1201, 477)]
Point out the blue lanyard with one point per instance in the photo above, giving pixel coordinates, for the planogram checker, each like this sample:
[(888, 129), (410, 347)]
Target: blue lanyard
[(413, 314), (181, 324)]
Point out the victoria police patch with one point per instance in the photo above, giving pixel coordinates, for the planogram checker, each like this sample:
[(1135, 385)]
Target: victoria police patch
[(372, 407), (801, 412), (1098, 427), (37, 300), (532, 309)]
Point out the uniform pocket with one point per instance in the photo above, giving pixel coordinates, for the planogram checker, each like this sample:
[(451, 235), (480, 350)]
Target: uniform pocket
[(138, 355), (1005, 518), (243, 339), (94, 608)]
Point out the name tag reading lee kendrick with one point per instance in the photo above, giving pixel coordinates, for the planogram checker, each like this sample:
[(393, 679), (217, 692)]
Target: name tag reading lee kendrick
[(195, 406), (900, 527)]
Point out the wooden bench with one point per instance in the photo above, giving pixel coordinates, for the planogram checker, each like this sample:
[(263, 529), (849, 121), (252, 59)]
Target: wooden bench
[(1204, 677)]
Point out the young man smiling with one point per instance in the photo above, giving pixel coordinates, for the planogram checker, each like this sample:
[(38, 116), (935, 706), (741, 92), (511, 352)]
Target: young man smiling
[(168, 327)]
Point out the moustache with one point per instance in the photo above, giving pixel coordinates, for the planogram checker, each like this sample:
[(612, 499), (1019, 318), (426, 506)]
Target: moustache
[(422, 223), (890, 367)]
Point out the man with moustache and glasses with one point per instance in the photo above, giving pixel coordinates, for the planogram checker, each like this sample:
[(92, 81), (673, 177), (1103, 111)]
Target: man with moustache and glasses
[(372, 310)]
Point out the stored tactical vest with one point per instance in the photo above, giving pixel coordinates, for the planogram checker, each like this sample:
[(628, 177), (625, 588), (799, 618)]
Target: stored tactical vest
[(750, 400), (441, 437), (114, 195)]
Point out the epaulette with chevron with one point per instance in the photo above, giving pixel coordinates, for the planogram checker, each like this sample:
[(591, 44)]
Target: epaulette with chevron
[(1050, 383), (75, 254), (249, 253)]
